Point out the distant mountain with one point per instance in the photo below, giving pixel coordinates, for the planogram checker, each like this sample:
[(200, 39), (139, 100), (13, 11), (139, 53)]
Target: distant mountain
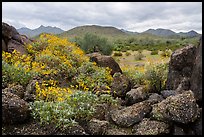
[(160, 32), (191, 33), (42, 29), (168, 33), (105, 31), (129, 32)]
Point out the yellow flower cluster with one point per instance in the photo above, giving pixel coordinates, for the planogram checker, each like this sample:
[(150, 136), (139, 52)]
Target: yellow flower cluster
[(51, 57), (18, 60), (48, 91)]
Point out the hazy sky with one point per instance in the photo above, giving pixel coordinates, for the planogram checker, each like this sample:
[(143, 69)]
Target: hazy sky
[(132, 16)]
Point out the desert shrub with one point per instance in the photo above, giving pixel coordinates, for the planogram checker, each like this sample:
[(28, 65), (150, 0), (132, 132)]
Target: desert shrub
[(166, 53), (15, 74), (127, 53), (92, 43), (79, 105), (57, 59), (155, 52), (92, 77), (156, 76), (117, 54), (136, 77), (138, 56)]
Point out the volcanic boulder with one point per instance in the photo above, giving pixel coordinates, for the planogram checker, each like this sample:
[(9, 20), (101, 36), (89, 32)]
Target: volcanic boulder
[(105, 61)]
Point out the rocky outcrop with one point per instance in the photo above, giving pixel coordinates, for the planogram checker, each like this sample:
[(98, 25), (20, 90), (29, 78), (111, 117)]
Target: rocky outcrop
[(197, 126), (75, 129), (101, 111), (178, 130), (151, 127), (180, 66), (167, 93), (15, 45), (4, 48), (196, 77), (120, 85), (15, 89), (12, 40), (135, 95), (181, 108), (131, 115), (97, 127), (117, 131), (185, 70), (14, 109), (30, 92), (105, 61), (155, 98)]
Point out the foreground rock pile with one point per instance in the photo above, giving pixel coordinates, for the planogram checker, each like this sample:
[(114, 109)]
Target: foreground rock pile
[(175, 111)]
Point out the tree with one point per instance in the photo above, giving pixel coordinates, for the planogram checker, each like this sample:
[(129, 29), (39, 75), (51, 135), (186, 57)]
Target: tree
[(92, 43)]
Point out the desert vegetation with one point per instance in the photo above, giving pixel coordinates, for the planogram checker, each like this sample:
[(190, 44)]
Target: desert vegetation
[(66, 84)]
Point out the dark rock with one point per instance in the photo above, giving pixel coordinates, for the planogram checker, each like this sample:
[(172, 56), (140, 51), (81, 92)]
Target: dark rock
[(15, 89), (75, 129), (130, 115), (184, 85), (155, 98), (167, 93), (181, 108), (13, 40), (105, 61), (185, 70), (4, 47), (196, 78), (100, 112), (116, 131), (30, 92), (15, 45), (120, 85), (183, 57), (97, 127), (180, 65), (197, 127), (14, 109), (8, 31), (177, 130), (135, 95), (151, 127), (173, 79), (25, 39)]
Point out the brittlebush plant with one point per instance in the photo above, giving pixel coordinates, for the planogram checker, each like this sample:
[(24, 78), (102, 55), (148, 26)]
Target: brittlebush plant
[(53, 61), (79, 105)]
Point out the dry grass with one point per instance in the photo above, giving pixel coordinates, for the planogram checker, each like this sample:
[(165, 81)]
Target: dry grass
[(129, 61)]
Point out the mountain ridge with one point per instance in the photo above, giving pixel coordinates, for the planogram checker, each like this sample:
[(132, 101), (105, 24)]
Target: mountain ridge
[(42, 29), (102, 30)]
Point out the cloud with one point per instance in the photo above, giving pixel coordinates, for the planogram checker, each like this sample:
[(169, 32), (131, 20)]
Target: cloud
[(134, 16)]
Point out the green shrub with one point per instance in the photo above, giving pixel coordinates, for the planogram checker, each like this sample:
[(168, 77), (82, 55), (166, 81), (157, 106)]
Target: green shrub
[(136, 77), (156, 76), (93, 77), (15, 74), (166, 53), (92, 43), (117, 54), (138, 56), (79, 105), (154, 52), (127, 53)]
